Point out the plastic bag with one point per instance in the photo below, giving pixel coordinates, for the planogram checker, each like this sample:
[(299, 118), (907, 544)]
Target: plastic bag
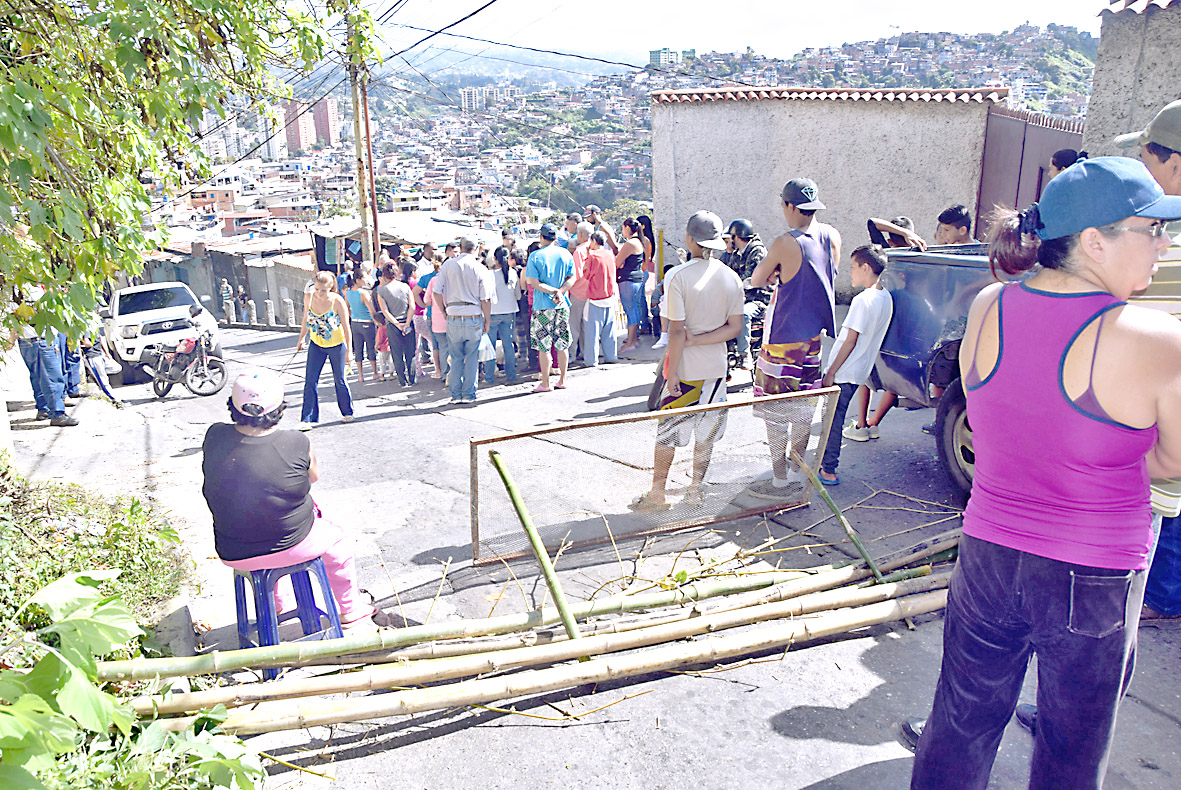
[(487, 351)]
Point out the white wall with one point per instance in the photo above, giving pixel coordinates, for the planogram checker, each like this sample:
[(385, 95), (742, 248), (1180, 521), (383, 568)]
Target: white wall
[(1137, 72), (868, 158)]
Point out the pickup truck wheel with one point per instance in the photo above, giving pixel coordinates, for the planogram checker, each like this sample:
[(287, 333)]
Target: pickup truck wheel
[(953, 437), (128, 375)]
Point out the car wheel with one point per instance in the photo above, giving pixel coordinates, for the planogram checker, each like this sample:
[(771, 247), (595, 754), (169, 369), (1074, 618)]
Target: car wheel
[(129, 374), (953, 437)]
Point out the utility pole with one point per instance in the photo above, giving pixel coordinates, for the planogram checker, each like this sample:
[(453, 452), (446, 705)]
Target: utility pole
[(362, 191), (372, 177)]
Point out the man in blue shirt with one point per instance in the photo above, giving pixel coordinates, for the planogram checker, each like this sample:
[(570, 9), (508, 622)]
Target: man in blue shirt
[(550, 272)]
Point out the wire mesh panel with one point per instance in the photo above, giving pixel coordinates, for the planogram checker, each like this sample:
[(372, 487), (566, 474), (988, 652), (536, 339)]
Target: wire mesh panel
[(590, 482)]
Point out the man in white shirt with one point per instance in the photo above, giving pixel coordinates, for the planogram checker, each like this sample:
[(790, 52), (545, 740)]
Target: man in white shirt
[(705, 299)]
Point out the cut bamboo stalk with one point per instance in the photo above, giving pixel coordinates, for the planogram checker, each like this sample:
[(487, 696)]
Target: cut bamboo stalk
[(547, 567), (433, 671), (289, 715), (836, 511), (787, 585), (455, 647)]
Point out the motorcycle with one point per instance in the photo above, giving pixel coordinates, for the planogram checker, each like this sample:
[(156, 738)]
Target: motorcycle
[(733, 358), (190, 361)]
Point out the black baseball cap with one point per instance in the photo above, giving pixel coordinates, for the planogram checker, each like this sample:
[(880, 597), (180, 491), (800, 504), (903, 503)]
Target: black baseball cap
[(801, 193)]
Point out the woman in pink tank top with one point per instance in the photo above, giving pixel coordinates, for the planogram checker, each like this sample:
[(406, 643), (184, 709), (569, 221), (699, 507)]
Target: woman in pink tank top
[(1074, 398)]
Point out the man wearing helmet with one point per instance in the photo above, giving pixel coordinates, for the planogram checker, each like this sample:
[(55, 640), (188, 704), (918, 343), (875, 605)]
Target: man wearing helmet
[(749, 252)]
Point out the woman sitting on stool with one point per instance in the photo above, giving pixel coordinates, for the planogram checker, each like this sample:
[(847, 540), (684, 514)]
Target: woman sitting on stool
[(258, 482)]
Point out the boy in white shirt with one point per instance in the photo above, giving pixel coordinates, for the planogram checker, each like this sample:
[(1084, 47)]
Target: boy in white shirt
[(857, 346)]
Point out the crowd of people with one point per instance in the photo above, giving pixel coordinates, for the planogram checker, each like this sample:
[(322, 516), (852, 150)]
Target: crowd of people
[(1072, 392), (467, 312)]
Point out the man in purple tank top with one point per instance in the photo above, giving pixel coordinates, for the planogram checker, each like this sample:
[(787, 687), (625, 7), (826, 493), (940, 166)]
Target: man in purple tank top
[(801, 265)]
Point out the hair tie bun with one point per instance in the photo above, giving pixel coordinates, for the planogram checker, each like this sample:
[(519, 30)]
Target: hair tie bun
[(1031, 221)]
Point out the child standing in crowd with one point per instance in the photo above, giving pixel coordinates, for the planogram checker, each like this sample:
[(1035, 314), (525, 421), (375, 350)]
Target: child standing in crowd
[(504, 314), (385, 360), (857, 345)]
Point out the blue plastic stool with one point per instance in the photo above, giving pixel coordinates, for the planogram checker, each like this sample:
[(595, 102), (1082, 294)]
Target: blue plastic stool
[(263, 584)]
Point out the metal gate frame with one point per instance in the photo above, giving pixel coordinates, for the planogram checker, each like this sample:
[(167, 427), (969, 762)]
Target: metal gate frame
[(829, 395)]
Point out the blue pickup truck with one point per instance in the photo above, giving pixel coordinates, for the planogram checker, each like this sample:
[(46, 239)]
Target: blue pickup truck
[(932, 293)]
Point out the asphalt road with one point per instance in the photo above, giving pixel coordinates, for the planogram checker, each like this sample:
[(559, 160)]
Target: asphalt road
[(397, 479)]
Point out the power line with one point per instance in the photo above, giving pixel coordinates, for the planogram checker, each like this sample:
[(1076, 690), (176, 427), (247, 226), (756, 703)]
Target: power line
[(432, 34), (727, 80)]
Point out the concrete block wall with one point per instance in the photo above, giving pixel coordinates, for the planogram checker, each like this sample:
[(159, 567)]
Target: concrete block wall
[(1137, 72), (868, 158)]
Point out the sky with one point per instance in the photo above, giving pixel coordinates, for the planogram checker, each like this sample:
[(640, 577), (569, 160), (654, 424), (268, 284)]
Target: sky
[(627, 29)]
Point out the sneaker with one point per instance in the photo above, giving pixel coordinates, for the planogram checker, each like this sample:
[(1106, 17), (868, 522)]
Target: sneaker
[(873, 431), (766, 489), (64, 421), (42, 415), (454, 401), (1027, 717), (912, 730), (853, 433), (469, 399), (661, 343), (306, 426), (77, 395)]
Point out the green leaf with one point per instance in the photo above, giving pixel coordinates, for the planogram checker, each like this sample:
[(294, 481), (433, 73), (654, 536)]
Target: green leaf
[(72, 592), (30, 725), (15, 778), (70, 691), (94, 631)]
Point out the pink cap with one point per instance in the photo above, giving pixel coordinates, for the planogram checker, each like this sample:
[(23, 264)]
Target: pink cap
[(260, 387)]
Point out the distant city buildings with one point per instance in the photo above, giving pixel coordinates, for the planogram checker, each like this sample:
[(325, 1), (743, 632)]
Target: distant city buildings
[(301, 127), (472, 99), (327, 122), (661, 58)]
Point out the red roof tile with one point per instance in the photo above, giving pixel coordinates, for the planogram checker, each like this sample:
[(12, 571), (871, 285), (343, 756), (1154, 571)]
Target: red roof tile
[(977, 95), (1134, 6)]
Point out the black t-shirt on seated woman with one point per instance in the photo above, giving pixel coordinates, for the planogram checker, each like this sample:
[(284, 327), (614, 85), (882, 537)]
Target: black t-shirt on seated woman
[(258, 490)]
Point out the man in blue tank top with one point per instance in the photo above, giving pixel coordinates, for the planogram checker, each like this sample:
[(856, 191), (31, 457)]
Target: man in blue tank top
[(801, 265)]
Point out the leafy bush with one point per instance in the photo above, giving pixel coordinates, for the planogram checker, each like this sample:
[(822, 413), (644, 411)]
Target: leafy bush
[(50, 529), (59, 730)]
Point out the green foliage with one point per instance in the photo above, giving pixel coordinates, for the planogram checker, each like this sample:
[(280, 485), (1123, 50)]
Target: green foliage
[(60, 730), (95, 94), (49, 530)]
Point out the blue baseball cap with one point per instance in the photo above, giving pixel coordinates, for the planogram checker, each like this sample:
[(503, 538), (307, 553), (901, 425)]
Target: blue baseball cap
[(1095, 192), (548, 231)]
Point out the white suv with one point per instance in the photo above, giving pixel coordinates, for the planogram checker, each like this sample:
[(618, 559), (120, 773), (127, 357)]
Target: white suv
[(156, 314)]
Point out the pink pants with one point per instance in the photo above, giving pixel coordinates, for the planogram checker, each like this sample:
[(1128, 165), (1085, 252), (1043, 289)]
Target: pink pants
[(330, 544)]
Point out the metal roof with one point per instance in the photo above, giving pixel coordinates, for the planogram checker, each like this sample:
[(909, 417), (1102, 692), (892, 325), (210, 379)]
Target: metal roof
[(951, 95)]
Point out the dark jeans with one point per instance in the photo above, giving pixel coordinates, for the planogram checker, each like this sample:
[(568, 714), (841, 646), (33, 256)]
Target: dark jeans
[(45, 375), (1163, 590), (402, 349), (1005, 605), (832, 450), (311, 397), (364, 341)]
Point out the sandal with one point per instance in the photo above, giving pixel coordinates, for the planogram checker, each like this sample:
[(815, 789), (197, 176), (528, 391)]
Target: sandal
[(646, 504), (693, 496), (542, 388)]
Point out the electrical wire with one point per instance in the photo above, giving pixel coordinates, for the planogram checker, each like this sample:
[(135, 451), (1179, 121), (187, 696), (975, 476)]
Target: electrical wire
[(606, 61)]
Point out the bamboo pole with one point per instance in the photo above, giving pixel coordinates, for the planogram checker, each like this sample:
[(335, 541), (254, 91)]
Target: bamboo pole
[(789, 585), (836, 511), (544, 636), (432, 671), (289, 715), (547, 567)]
